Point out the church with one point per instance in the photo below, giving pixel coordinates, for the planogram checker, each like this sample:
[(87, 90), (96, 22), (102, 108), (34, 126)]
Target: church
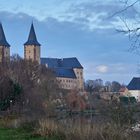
[(68, 71)]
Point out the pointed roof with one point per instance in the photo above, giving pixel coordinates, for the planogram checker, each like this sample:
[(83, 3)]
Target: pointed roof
[(3, 41), (32, 40)]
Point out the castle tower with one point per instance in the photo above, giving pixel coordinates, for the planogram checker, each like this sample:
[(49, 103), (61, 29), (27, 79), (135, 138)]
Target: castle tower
[(32, 47), (4, 47)]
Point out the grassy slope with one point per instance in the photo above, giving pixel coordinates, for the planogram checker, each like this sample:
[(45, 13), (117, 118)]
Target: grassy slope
[(18, 134)]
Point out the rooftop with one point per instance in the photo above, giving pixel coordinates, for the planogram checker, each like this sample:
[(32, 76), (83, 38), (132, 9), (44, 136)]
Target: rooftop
[(3, 41), (65, 73), (32, 40), (62, 63), (62, 67), (134, 84)]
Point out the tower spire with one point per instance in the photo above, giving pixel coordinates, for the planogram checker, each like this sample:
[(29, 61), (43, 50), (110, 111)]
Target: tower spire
[(32, 47), (3, 41), (32, 40)]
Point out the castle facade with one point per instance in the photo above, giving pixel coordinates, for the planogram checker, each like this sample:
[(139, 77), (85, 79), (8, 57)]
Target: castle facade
[(68, 71)]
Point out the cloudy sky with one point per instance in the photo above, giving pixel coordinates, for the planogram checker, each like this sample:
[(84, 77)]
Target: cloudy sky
[(84, 29)]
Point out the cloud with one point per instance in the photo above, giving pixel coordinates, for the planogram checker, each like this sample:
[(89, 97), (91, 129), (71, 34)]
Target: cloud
[(97, 15), (102, 69), (110, 72), (100, 51), (91, 14)]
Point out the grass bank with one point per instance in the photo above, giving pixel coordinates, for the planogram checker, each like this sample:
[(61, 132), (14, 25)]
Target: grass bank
[(9, 130), (20, 134), (53, 130)]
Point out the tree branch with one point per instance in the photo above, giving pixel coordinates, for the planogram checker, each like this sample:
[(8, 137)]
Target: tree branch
[(126, 8)]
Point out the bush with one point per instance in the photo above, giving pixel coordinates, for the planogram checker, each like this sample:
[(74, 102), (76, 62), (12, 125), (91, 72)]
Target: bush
[(75, 131), (122, 114), (9, 91), (127, 100)]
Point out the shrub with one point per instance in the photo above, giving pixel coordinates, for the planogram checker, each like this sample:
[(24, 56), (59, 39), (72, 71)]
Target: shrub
[(75, 131), (9, 91)]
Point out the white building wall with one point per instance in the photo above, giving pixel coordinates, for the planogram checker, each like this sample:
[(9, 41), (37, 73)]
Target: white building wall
[(136, 94)]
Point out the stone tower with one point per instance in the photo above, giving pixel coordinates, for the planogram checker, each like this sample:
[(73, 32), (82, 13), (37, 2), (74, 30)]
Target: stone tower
[(32, 47), (4, 47)]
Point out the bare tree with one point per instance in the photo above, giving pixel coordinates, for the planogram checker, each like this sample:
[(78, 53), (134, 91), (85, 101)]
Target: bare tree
[(94, 85), (38, 84), (115, 86), (131, 29), (75, 101)]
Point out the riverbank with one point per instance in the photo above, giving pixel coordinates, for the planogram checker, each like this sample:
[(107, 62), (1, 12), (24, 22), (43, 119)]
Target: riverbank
[(16, 134), (51, 129), (74, 133), (21, 134)]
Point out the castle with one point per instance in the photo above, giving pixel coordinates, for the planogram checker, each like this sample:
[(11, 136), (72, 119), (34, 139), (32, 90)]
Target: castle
[(68, 71)]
